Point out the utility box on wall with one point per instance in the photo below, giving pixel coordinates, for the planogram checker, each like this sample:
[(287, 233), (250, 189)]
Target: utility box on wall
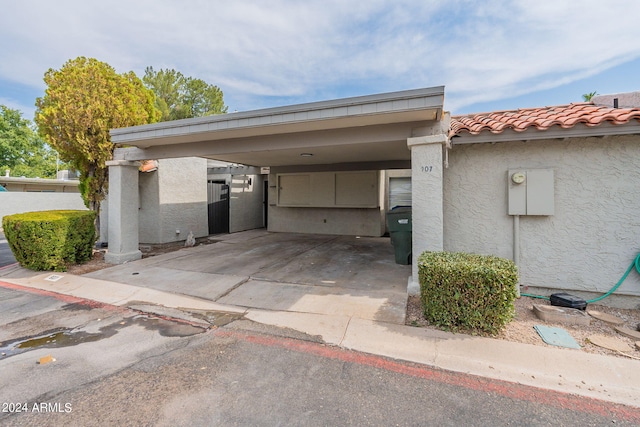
[(531, 192)]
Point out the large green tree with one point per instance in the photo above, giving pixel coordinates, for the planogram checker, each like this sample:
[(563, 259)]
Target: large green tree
[(83, 101), (22, 151), (180, 97)]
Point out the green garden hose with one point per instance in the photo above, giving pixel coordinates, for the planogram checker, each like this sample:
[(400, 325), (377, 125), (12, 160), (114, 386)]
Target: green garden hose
[(635, 263)]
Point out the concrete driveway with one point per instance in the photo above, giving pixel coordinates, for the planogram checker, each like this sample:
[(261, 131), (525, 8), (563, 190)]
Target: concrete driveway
[(321, 274)]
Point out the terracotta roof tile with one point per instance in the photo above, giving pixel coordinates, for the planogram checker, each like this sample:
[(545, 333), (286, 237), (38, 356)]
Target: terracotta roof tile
[(564, 116)]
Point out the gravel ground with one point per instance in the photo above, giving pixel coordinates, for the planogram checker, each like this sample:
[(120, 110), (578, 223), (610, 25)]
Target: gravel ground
[(520, 329)]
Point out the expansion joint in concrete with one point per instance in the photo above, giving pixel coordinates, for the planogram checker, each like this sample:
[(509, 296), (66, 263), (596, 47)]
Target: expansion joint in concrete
[(344, 334), (233, 288)]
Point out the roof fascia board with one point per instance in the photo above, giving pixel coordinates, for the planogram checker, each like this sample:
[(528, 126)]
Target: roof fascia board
[(338, 167), (410, 100), (39, 181), (578, 131), (306, 140)]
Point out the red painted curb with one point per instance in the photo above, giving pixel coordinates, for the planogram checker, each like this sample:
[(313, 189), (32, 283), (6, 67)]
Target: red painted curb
[(95, 304), (8, 266), (69, 299), (499, 387)]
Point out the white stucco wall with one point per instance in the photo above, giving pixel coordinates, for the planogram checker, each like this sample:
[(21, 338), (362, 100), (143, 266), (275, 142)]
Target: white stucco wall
[(317, 220), (149, 213), (19, 202), (246, 211), (349, 222), (174, 198), (595, 232)]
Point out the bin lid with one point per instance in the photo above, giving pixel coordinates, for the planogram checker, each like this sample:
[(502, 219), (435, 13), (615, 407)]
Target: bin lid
[(400, 209)]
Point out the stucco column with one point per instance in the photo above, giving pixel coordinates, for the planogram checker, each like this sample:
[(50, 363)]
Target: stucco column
[(427, 195), (123, 212)]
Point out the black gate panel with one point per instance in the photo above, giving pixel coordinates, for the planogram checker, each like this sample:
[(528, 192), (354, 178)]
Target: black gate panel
[(218, 206)]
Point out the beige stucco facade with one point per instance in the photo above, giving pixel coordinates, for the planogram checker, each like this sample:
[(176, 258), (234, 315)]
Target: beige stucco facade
[(330, 165), (339, 147), (594, 232), (173, 200)]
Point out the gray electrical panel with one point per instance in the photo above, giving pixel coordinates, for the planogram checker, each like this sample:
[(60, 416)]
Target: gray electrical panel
[(531, 192)]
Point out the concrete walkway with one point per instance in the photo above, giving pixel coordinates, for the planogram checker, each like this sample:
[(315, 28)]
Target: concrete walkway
[(345, 307)]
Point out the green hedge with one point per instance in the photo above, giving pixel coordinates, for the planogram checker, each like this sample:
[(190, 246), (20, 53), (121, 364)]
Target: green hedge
[(50, 240), (467, 292)]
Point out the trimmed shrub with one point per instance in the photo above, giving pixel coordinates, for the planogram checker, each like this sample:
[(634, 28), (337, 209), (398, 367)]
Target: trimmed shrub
[(50, 240), (467, 292)]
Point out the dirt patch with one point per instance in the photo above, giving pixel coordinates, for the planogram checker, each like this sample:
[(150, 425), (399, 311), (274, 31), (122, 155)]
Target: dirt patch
[(520, 329), (94, 264)]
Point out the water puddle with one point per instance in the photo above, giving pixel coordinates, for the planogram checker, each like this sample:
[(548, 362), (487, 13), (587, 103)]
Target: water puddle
[(166, 328), (217, 318), (49, 339), (64, 337)]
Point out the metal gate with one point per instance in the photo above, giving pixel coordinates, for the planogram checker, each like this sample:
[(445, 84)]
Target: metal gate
[(218, 205)]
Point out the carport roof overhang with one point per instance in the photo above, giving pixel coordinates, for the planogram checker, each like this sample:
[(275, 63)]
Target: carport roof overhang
[(361, 129)]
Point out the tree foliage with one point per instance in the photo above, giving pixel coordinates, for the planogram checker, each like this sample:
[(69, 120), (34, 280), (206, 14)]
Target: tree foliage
[(587, 96), (22, 151), (83, 101), (180, 97)]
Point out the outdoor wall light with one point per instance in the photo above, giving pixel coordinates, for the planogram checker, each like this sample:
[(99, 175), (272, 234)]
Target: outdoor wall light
[(306, 155)]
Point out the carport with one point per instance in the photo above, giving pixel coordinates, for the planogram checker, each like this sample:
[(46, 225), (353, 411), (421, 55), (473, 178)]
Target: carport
[(316, 275), (313, 146)]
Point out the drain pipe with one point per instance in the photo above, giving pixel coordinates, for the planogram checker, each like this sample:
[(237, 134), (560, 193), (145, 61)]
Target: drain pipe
[(516, 247)]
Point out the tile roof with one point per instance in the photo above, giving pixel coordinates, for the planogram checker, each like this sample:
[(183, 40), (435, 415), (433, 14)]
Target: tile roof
[(148, 166), (564, 116)]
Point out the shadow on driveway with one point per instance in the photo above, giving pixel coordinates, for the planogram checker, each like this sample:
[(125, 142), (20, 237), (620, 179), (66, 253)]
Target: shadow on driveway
[(334, 275)]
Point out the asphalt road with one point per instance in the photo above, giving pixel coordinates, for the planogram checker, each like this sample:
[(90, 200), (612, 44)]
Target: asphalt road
[(136, 370), (6, 256)]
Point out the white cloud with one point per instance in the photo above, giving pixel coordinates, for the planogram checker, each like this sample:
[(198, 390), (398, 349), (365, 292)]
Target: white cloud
[(540, 45), (257, 50)]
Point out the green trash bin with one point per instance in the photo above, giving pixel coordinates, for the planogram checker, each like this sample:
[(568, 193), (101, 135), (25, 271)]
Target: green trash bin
[(399, 221)]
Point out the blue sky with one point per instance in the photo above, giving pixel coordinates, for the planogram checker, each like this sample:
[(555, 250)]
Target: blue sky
[(489, 55)]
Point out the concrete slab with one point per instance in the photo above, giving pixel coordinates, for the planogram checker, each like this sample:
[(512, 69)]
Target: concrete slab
[(610, 343), (318, 274), (630, 333), (365, 304), (173, 313), (248, 257), (243, 236), (117, 293), (64, 283), (346, 262), (16, 271), (93, 289), (202, 285), (172, 300), (330, 328), (565, 315), (605, 317)]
